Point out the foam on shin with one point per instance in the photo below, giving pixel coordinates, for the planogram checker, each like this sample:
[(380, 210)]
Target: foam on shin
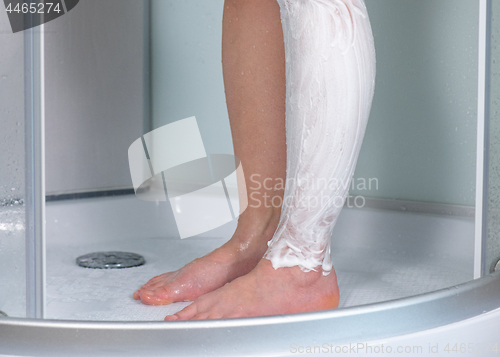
[(330, 78)]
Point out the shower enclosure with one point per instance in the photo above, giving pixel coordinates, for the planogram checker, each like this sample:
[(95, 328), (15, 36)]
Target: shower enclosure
[(416, 248)]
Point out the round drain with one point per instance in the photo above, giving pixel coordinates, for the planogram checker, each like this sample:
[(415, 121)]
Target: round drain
[(110, 260)]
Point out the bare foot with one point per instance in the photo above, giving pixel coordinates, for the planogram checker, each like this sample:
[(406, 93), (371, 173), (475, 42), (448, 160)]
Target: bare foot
[(235, 258), (266, 291)]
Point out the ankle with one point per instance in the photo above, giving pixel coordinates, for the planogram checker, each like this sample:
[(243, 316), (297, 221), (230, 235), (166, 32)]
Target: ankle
[(254, 230), (259, 220)]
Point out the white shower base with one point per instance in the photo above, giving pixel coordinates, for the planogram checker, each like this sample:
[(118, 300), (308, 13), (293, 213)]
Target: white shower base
[(379, 255)]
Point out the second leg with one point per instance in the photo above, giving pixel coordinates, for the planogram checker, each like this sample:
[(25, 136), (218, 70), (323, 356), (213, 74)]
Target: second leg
[(254, 77)]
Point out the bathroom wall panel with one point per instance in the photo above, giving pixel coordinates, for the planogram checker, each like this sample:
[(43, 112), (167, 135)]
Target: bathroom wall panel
[(186, 68), (421, 137), (94, 95)]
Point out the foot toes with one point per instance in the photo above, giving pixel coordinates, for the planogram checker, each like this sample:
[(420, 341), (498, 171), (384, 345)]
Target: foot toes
[(156, 285), (154, 280), (154, 297), (187, 313), (147, 286), (171, 317)]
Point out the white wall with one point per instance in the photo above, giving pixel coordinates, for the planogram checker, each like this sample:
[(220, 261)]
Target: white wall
[(421, 137), (186, 68)]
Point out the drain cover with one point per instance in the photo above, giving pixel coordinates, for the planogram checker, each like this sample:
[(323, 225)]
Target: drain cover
[(110, 260)]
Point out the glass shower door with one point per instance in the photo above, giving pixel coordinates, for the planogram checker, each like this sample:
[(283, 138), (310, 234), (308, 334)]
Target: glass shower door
[(12, 179), (103, 93)]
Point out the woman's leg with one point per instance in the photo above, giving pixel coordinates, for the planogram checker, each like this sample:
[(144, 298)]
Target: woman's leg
[(254, 76), (330, 77)]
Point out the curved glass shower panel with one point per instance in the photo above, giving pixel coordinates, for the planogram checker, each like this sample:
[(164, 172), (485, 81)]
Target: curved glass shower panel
[(117, 70), (415, 180), (99, 127), (420, 141), (96, 100), (12, 181), (410, 216), (114, 75)]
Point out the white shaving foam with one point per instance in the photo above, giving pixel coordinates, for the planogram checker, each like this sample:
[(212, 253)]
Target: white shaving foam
[(330, 79)]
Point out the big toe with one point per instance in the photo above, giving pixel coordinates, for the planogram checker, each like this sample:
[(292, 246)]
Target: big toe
[(185, 314), (155, 297)]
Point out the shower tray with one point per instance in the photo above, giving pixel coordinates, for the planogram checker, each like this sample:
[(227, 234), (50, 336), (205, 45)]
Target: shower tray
[(400, 274)]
